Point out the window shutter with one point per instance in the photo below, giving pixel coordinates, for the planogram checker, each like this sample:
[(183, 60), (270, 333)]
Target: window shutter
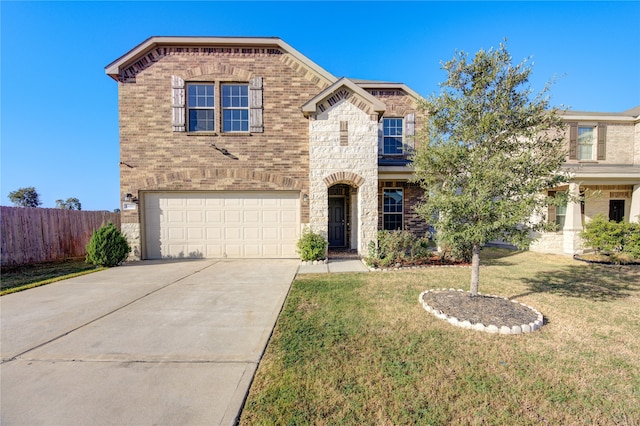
[(177, 104), (411, 124), (602, 142), (255, 105), (381, 137), (573, 141), (551, 210)]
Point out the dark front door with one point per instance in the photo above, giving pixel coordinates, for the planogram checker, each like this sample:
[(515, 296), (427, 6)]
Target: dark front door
[(336, 222), (616, 210)]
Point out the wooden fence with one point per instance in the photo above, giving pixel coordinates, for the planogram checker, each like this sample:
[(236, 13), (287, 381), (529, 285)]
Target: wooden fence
[(32, 235)]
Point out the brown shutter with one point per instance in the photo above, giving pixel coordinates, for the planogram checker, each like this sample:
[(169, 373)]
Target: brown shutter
[(177, 104), (602, 139), (551, 210), (255, 105), (573, 141)]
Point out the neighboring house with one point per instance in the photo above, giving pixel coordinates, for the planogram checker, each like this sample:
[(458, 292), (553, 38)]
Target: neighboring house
[(230, 146), (604, 161)]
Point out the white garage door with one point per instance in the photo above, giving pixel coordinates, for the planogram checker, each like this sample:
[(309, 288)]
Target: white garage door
[(221, 224)]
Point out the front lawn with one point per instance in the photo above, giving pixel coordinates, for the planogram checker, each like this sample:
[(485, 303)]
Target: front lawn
[(360, 349), (16, 278)]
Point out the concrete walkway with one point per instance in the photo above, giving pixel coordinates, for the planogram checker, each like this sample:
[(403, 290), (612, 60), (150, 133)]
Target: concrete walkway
[(334, 265), (149, 343)]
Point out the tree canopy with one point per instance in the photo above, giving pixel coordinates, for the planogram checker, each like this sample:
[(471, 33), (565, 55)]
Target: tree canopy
[(25, 197), (69, 204), (490, 149)]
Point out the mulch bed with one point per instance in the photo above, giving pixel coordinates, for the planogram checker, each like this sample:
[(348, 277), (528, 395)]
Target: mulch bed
[(480, 309)]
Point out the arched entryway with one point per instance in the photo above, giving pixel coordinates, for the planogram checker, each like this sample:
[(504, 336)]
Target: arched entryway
[(342, 216)]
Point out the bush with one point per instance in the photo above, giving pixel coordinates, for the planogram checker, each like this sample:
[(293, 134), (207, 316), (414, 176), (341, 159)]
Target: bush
[(603, 235), (631, 242), (311, 246), (609, 237), (107, 247), (397, 247)]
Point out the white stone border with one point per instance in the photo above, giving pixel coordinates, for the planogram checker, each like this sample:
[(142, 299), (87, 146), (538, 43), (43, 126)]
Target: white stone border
[(407, 268), (516, 329), (314, 262)]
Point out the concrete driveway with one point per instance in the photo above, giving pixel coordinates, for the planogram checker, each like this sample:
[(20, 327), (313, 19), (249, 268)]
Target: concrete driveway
[(160, 343)]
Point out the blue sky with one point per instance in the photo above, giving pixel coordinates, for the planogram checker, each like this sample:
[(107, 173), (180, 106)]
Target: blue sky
[(59, 111)]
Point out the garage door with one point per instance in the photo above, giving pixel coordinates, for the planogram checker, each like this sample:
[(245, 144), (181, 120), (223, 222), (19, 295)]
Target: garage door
[(221, 224)]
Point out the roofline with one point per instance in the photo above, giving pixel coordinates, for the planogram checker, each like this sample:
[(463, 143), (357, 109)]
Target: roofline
[(626, 116), (310, 107), (385, 85), (585, 116), (114, 68)]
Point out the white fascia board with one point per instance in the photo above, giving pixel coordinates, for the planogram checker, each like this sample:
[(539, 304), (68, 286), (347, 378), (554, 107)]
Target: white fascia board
[(590, 117), (395, 172), (113, 69)]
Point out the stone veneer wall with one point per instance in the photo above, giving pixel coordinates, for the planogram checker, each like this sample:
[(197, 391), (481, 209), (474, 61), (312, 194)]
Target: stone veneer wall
[(156, 158), (355, 163)]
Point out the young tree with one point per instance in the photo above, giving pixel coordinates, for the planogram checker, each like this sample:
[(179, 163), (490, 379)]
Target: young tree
[(70, 204), (489, 151), (25, 197)]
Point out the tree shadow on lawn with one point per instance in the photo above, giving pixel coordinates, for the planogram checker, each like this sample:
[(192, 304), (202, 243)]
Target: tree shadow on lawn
[(600, 283), (495, 256)]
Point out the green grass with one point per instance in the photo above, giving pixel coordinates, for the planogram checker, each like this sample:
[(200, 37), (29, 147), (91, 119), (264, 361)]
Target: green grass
[(23, 277), (360, 349)]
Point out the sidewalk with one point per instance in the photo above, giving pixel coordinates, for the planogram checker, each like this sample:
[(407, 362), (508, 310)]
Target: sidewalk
[(334, 266)]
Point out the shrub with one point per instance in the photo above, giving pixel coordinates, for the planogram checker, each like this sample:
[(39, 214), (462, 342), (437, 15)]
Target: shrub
[(107, 247), (397, 247), (631, 242), (612, 237), (311, 246), (455, 249), (603, 235)]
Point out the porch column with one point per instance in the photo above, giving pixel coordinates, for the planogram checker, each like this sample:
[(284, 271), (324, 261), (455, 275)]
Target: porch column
[(634, 212), (572, 243)]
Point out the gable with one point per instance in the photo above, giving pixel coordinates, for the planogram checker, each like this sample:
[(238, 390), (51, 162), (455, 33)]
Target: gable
[(143, 56), (347, 90)]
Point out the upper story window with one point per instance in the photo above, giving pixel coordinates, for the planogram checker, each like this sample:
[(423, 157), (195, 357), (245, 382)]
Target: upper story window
[(235, 108), (392, 136), (196, 108), (392, 209), (201, 107), (587, 141)]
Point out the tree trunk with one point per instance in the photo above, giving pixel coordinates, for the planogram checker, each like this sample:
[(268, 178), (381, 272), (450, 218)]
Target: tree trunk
[(475, 270)]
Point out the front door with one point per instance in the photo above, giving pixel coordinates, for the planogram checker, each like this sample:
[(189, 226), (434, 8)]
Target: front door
[(616, 210), (336, 222)]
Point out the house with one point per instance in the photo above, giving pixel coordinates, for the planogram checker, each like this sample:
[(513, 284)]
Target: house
[(604, 163), (231, 146)]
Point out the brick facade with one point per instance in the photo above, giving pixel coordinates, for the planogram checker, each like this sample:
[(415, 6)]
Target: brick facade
[(412, 196), (158, 158)]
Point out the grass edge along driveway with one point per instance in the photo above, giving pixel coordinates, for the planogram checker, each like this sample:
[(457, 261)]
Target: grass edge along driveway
[(360, 349)]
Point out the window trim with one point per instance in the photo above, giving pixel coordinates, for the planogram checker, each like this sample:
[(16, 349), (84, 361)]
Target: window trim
[(233, 108), (592, 144), (401, 136), (599, 141), (189, 108), (385, 213), (180, 109)]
